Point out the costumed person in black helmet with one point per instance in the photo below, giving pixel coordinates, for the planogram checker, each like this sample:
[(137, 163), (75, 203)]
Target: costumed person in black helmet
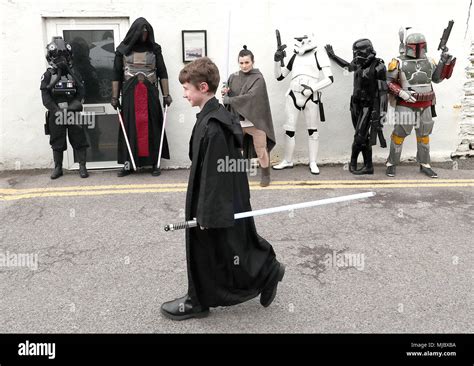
[(368, 101), (62, 92), (246, 96), (138, 67)]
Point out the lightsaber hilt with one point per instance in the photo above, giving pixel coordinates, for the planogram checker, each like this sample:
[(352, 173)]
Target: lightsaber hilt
[(181, 225)]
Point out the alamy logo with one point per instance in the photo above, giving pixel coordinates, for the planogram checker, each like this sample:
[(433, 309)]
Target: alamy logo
[(37, 349), (9, 259), (230, 165), (344, 260), (70, 118)]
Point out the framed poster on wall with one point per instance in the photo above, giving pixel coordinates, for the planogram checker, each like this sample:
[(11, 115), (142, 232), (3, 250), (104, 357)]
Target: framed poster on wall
[(194, 44)]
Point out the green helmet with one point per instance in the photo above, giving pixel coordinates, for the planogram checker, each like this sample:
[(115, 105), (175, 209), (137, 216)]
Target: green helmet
[(415, 46)]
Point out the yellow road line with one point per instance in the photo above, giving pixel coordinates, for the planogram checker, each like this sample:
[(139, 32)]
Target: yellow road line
[(182, 188), (252, 184)]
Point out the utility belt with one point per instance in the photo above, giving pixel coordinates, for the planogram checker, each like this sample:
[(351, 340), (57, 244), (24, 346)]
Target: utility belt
[(318, 101), (141, 76), (424, 97)]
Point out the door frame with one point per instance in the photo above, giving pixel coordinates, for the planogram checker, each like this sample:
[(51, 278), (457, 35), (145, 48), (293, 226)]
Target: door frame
[(55, 26)]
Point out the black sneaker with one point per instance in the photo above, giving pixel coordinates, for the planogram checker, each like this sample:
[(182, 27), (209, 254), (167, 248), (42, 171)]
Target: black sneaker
[(428, 171), (390, 171)]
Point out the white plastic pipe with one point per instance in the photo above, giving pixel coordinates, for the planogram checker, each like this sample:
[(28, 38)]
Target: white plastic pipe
[(162, 135), (126, 140)]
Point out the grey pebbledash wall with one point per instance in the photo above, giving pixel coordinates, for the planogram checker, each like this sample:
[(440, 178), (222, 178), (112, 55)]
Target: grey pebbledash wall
[(466, 126), (339, 22)]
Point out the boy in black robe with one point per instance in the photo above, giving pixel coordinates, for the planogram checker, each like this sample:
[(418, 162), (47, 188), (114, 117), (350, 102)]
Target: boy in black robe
[(227, 261)]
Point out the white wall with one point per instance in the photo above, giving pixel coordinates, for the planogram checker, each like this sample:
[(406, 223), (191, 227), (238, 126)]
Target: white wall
[(339, 22)]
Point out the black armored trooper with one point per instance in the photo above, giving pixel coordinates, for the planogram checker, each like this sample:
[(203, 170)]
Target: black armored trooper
[(368, 101), (62, 92)]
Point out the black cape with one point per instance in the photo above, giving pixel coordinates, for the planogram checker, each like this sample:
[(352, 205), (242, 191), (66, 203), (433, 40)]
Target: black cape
[(132, 43), (228, 263)]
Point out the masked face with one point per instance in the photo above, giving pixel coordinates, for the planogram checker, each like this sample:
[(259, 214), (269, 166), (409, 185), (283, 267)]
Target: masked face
[(415, 46), (416, 50), (363, 52), (304, 44), (144, 37), (59, 53)]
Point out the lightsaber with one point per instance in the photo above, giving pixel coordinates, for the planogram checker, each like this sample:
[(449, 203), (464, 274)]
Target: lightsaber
[(271, 210), (162, 136), (126, 140), (225, 74)]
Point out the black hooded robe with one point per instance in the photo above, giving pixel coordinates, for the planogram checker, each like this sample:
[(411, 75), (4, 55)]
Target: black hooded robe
[(228, 263), (130, 107)]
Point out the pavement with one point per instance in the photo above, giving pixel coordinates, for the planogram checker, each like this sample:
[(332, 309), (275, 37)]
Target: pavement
[(96, 258)]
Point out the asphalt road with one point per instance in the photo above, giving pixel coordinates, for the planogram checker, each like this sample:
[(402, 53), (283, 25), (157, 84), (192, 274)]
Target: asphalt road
[(399, 262)]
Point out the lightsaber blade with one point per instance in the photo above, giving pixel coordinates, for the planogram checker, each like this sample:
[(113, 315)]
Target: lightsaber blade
[(126, 140), (162, 136), (271, 210)]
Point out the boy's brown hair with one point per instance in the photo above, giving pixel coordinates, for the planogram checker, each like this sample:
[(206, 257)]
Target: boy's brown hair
[(199, 71)]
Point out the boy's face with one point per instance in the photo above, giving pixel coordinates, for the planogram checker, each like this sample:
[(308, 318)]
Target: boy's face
[(195, 95)]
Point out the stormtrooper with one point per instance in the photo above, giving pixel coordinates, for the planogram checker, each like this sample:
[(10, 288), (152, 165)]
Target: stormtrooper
[(409, 80), (310, 72), (62, 93), (368, 101)]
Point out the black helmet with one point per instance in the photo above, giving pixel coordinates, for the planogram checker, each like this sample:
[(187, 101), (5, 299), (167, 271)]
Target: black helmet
[(59, 52), (363, 51)]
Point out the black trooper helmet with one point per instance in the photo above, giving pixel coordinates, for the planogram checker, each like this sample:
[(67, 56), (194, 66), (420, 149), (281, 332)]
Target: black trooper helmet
[(59, 52), (415, 45), (363, 51)]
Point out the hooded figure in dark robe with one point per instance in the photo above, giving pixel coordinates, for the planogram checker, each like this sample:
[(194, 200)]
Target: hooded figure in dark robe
[(228, 262), (138, 67)]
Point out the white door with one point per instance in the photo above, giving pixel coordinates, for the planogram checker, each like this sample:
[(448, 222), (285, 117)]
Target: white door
[(93, 42)]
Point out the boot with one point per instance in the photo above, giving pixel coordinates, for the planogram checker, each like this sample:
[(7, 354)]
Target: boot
[(269, 292), (155, 171), (58, 164), (354, 156), (289, 148), (368, 167), (428, 171), (125, 170), (81, 155), (313, 143), (391, 170), (265, 180)]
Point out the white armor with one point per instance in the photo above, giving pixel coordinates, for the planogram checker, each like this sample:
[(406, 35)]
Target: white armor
[(310, 72)]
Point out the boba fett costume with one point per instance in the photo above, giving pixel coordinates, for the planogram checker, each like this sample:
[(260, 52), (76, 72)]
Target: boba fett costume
[(62, 93), (409, 79)]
